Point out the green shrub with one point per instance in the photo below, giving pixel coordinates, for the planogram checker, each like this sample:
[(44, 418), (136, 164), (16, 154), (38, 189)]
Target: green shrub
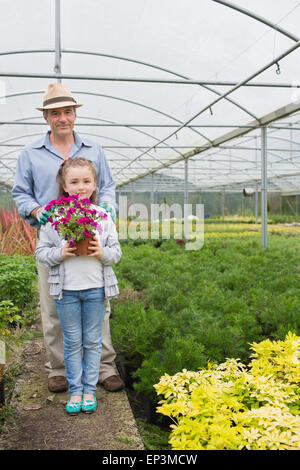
[(177, 352), (137, 332), (8, 315), (17, 279), (220, 298)]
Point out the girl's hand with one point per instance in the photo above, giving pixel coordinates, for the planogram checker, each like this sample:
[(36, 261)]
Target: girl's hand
[(67, 251), (95, 247)]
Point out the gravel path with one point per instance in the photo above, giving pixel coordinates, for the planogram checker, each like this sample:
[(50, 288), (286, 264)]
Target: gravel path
[(41, 422)]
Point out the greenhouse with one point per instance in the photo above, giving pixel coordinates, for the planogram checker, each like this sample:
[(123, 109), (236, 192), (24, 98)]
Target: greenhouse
[(196, 106)]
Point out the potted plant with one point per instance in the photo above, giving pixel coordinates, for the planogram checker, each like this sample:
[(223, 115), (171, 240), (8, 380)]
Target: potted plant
[(76, 221)]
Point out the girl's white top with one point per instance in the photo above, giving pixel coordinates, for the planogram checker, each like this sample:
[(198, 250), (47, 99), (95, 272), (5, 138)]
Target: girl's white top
[(83, 272)]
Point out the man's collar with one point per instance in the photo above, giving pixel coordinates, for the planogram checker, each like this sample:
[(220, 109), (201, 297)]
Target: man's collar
[(41, 142), (79, 141), (45, 141)]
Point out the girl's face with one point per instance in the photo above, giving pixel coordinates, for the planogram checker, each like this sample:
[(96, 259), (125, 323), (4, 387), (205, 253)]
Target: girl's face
[(80, 180)]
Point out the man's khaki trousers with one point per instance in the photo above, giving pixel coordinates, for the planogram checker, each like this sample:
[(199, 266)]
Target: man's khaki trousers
[(53, 334)]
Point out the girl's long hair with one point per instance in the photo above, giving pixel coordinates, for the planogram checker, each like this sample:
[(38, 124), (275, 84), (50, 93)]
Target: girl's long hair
[(71, 163)]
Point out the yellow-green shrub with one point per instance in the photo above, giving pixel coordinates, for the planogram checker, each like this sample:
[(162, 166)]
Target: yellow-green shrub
[(233, 406)]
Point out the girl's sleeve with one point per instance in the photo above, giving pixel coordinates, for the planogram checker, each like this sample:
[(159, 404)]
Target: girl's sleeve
[(47, 252), (112, 250)]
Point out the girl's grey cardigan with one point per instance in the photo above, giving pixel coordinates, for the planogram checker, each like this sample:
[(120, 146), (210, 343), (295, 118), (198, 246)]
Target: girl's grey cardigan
[(48, 252)]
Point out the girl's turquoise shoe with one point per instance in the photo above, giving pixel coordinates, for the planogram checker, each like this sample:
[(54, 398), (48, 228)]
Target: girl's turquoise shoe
[(89, 406), (74, 408)]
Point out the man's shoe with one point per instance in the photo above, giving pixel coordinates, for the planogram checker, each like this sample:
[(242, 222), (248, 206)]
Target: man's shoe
[(114, 383), (57, 384)]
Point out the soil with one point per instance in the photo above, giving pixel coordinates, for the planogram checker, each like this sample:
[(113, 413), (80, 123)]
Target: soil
[(41, 422)]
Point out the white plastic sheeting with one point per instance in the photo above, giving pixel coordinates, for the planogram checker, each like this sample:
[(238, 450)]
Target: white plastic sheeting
[(132, 63)]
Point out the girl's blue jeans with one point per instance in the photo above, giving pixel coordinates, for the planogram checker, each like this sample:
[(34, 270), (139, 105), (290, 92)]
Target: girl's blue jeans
[(81, 314)]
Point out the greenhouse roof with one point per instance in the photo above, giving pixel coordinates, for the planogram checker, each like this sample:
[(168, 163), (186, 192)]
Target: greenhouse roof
[(175, 87)]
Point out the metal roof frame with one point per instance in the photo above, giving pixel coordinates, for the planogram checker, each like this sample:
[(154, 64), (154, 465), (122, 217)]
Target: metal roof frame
[(133, 160)]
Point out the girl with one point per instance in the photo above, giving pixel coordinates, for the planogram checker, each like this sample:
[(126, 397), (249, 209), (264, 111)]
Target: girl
[(79, 285)]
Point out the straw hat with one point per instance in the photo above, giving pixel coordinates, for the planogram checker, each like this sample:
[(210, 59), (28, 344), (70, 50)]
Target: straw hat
[(58, 96)]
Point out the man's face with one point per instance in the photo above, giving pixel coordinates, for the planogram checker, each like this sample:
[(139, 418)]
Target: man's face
[(61, 120)]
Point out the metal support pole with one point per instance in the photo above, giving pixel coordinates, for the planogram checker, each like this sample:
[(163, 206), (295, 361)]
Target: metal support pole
[(264, 188), (118, 195), (152, 189), (185, 199), (186, 168), (243, 205), (223, 203), (57, 65), (132, 192), (256, 204)]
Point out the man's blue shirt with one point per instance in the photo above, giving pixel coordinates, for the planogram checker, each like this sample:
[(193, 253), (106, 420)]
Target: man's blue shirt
[(37, 168)]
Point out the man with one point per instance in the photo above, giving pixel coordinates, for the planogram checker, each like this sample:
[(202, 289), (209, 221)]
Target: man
[(35, 187)]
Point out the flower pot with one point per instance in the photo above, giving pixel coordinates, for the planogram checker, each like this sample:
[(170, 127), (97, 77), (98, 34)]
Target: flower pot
[(82, 247), (125, 373)]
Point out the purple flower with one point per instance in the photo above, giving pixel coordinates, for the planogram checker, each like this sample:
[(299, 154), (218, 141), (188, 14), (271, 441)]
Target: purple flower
[(72, 242), (85, 201), (79, 206), (86, 233), (74, 218), (50, 205), (61, 200), (84, 221)]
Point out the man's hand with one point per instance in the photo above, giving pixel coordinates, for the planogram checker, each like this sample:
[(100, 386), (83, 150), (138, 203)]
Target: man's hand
[(95, 247), (40, 214), (67, 251), (109, 208)]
